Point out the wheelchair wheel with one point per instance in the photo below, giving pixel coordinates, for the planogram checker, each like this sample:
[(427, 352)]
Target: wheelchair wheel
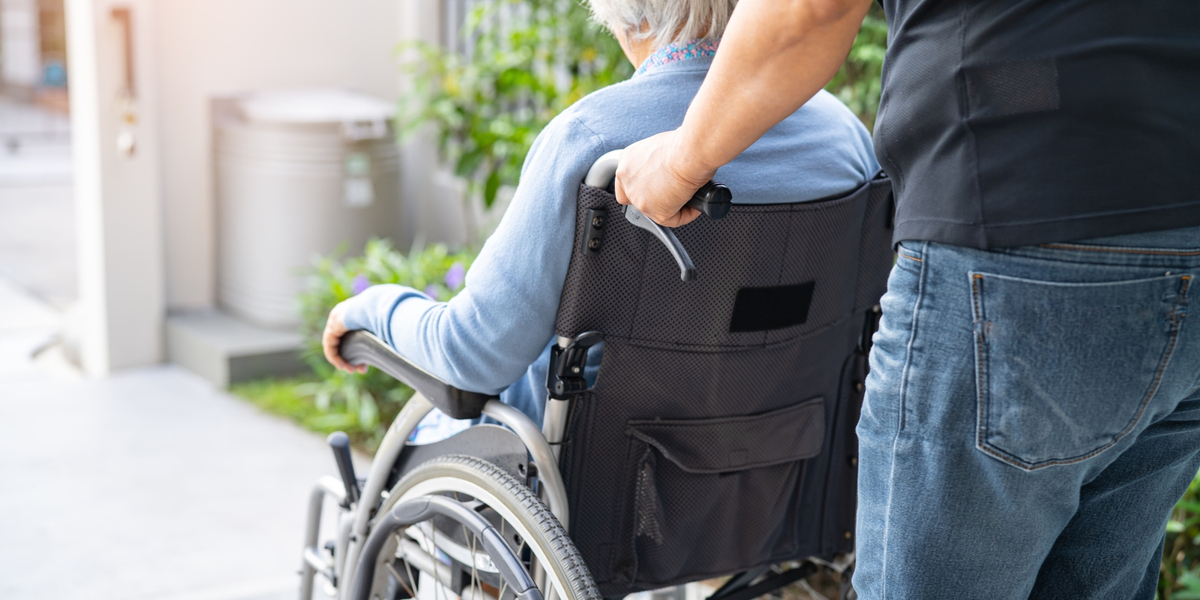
[(527, 526)]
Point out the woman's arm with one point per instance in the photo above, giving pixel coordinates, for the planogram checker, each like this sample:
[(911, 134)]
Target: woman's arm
[(486, 337), (774, 56)]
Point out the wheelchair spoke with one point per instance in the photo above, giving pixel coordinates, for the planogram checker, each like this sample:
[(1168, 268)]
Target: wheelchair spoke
[(473, 546), (400, 579), (467, 553), (470, 569), (411, 579), (434, 547), (503, 536)]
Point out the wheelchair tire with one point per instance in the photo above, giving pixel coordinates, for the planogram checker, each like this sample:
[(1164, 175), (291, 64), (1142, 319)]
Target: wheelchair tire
[(517, 506)]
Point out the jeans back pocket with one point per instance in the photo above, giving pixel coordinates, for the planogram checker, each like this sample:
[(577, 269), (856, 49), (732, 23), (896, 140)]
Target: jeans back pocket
[(1065, 370)]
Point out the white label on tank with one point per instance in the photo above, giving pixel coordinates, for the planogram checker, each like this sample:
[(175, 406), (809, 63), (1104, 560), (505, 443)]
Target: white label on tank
[(359, 192), (356, 169)]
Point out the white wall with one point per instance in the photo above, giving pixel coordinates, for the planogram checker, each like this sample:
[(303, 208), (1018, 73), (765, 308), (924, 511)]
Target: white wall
[(116, 194), (146, 221), (211, 47)]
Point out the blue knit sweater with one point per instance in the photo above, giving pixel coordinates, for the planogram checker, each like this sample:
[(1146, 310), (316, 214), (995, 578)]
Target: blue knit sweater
[(496, 332)]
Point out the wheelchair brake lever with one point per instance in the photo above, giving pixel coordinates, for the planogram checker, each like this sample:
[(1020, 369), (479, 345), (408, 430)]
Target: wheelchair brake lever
[(687, 269), (713, 199)]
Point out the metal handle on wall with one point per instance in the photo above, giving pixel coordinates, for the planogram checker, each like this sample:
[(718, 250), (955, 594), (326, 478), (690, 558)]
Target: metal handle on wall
[(126, 142), (124, 16)]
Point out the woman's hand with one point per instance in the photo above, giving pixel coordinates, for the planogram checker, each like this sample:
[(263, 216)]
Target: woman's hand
[(335, 328)]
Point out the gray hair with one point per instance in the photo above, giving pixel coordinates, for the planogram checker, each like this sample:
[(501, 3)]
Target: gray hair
[(668, 21)]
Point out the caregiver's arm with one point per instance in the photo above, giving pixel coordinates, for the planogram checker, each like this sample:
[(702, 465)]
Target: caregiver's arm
[(774, 56)]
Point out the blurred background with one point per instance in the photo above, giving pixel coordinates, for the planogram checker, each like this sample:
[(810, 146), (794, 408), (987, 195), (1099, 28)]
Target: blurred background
[(186, 188)]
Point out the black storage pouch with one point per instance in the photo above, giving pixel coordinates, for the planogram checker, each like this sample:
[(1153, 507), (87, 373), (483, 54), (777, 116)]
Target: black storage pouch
[(707, 471)]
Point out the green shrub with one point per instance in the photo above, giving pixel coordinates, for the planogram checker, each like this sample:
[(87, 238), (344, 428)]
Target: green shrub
[(528, 60), (1179, 577), (361, 405), (857, 83)]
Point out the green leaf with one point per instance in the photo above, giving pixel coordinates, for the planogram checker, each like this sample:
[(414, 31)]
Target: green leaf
[(1190, 582), (469, 163), (490, 188)]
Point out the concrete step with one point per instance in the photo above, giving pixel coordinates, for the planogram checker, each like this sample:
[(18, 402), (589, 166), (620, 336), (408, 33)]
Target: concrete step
[(224, 349)]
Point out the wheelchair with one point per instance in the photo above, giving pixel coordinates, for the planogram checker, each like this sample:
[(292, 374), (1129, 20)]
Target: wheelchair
[(717, 440)]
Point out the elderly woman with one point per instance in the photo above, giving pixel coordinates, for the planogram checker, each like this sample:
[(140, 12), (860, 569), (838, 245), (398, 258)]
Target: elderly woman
[(495, 335)]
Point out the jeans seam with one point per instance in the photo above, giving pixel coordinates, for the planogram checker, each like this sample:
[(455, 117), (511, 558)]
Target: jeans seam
[(980, 364), (1116, 250), (908, 359), (908, 350), (1162, 367), (1187, 280)]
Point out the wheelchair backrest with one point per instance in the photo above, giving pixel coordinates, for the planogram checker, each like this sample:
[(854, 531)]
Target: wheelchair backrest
[(719, 435)]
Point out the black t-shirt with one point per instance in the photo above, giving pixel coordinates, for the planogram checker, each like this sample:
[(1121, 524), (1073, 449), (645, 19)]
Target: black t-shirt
[(1016, 122)]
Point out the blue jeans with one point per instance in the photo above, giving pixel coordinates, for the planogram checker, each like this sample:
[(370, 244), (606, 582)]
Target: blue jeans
[(1031, 416)]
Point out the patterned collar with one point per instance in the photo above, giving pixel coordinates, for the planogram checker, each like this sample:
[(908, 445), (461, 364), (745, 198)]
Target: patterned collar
[(676, 52)]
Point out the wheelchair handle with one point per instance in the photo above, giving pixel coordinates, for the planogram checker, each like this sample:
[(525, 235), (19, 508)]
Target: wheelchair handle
[(713, 199)]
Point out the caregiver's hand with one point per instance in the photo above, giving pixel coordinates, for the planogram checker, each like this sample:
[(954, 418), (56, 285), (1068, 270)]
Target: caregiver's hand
[(652, 177), (335, 328), (774, 57)]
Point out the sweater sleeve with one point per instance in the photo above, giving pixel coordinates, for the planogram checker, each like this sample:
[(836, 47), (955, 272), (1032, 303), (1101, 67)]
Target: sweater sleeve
[(486, 337)]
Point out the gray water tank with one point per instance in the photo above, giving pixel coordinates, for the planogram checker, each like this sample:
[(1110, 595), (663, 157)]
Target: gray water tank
[(299, 173)]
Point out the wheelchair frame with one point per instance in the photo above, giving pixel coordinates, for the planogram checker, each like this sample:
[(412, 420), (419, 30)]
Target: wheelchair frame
[(354, 524), (345, 570)]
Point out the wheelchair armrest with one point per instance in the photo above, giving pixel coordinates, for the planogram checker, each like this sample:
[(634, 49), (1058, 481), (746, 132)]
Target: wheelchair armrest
[(363, 348)]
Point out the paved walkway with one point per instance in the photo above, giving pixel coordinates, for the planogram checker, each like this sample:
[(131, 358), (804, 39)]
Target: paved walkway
[(37, 214), (149, 484), (37, 239), (35, 143)]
